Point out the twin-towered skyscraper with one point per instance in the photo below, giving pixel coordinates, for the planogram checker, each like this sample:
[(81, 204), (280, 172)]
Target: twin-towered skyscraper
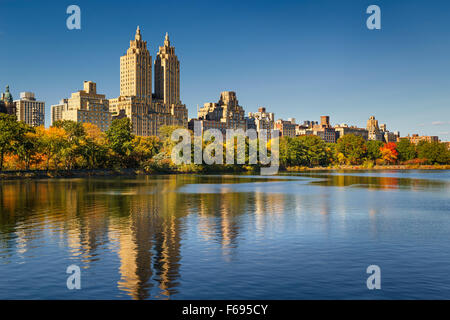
[(148, 111)]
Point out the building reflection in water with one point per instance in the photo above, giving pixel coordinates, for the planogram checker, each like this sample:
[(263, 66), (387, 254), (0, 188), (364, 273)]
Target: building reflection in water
[(144, 220)]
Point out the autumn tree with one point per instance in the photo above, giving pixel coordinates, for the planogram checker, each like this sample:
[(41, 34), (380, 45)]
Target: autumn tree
[(353, 148), (50, 142), (144, 148), (75, 134), (389, 152), (27, 146), (94, 146)]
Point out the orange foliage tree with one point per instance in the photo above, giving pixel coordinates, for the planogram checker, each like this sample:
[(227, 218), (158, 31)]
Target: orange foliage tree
[(389, 153), (51, 141)]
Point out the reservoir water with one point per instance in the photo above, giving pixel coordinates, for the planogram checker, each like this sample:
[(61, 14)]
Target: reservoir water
[(291, 236)]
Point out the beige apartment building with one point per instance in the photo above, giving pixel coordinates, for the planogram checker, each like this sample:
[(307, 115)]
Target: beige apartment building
[(415, 138), (264, 121), (374, 132), (29, 110), (57, 110), (87, 106), (344, 129), (167, 74), (227, 110), (147, 115)]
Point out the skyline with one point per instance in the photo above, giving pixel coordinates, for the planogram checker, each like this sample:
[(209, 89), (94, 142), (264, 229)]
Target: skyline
[(338, 67)]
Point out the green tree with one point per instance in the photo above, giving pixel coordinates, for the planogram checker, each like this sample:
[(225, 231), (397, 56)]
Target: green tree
[(373, 149), (406, 150), (352, 147), (10, 135), (434, 152), (292, 152), (120, 139), (316, 153)]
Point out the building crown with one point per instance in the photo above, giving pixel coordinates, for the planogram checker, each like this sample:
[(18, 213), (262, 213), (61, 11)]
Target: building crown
[(166, 40), (138, 34), (7, 97)]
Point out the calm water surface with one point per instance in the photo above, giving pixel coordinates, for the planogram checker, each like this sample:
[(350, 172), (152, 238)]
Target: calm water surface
[(299, 236)]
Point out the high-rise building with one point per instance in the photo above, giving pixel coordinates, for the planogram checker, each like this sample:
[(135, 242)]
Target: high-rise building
[(29, 110), (227, 111), (373, 129), (135, 100), (167, 74), (87, 106), (57, 110), (136, 70)]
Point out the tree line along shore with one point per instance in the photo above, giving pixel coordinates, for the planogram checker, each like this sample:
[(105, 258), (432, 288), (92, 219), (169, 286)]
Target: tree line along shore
[(68, 148)]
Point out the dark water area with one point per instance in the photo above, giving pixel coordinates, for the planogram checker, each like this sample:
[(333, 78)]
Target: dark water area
[(292, 236)]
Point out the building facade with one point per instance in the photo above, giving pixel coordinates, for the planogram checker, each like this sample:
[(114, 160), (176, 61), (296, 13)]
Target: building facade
[(87, 106), (167, 74), (263, 120), (57, 110), (324, 130), (374, 132), (415, 138), (29, 110), (227, 111), (136, 101), (344, 129), (205, 125), (285, 127)]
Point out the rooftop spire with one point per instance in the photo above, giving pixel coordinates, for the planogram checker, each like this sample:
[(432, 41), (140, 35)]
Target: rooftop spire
[(166, 40), (138, 34), (7, 97)]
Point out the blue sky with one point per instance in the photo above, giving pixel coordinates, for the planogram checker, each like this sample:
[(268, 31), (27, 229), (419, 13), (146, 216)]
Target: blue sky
[(300, 59)]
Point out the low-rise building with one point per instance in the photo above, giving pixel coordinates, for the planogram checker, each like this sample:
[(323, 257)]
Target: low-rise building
[(344, 129), (87, 106), (204, 125), (285, 127), (415, 138)]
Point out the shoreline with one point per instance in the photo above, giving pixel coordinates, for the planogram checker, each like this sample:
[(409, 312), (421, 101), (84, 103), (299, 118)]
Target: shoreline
[(83, 173), (365, 168)]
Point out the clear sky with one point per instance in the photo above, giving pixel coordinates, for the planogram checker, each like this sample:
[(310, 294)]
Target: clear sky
[(301, 59)]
